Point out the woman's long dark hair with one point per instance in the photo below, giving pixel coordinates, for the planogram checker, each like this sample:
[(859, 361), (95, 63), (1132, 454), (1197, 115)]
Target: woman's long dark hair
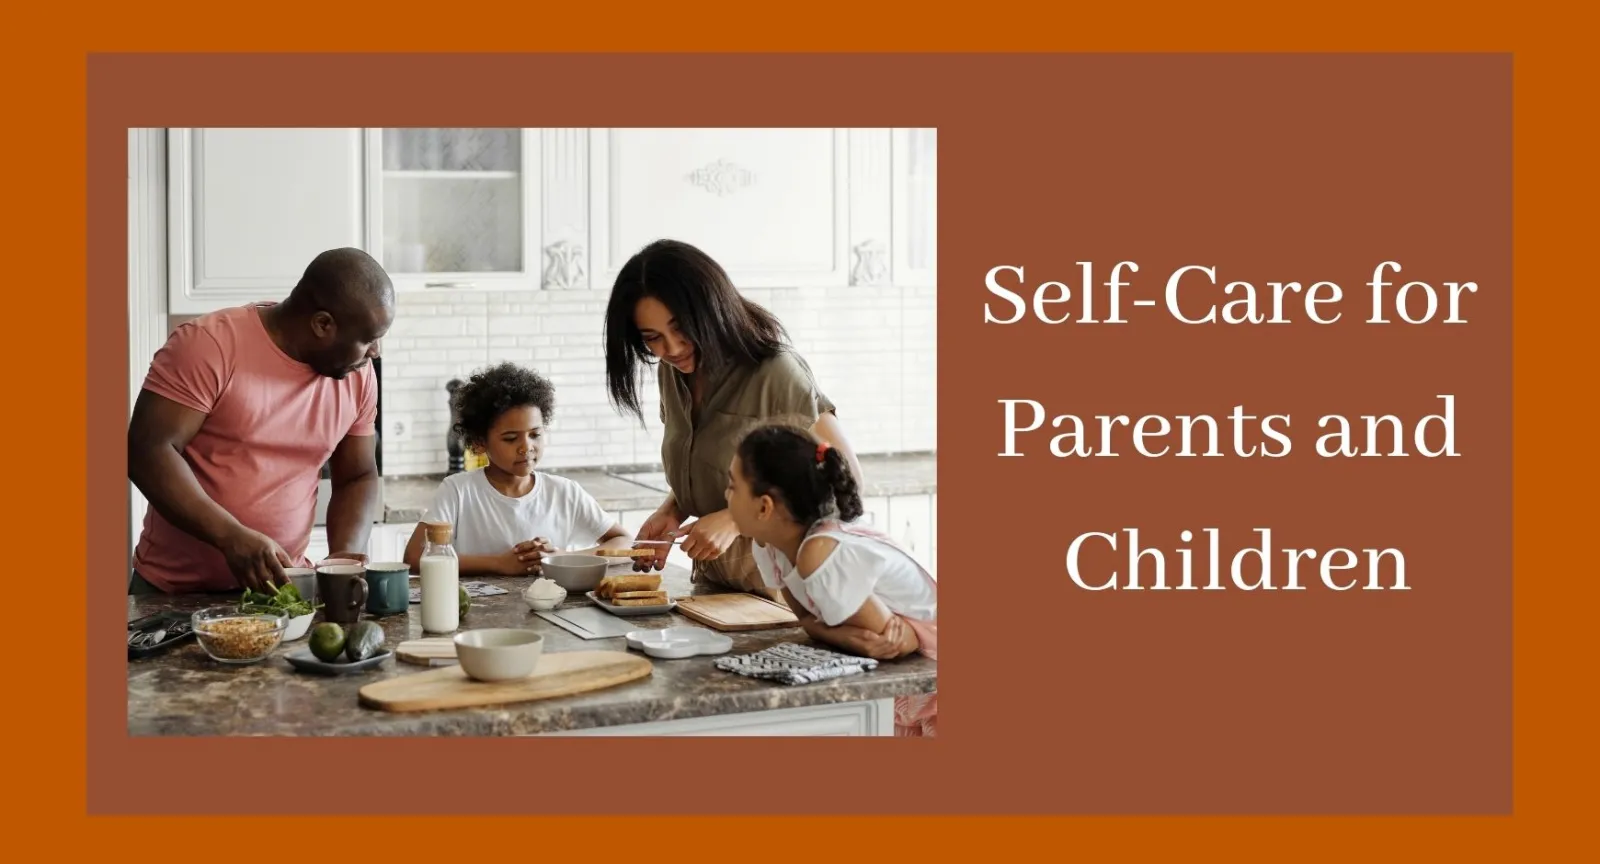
[(725, 328), (790, 464)]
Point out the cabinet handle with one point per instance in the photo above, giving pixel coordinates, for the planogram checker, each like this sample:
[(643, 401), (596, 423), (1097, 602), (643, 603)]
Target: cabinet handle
[(448, 285)]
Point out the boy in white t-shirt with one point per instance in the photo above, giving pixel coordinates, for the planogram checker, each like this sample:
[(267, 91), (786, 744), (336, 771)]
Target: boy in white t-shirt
[(507, 516)]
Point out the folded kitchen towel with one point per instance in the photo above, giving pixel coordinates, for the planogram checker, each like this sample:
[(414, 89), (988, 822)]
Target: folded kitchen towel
[(792, 663)]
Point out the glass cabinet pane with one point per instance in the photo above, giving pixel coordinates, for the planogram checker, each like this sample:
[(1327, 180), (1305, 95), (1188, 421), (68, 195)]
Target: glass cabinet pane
[(452, 200)]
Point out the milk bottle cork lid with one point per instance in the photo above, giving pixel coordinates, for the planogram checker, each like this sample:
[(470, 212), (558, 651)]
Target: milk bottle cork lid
[(439, 532)]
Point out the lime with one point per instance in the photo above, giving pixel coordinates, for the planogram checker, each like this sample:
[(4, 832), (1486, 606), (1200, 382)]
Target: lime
[(327, 641), (466, 601)]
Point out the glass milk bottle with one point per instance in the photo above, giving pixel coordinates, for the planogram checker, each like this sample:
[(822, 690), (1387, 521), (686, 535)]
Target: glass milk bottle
[(440, 573)]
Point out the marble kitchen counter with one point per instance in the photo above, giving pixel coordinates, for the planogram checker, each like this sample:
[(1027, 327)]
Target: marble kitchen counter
[(184, 692), (406, 499)]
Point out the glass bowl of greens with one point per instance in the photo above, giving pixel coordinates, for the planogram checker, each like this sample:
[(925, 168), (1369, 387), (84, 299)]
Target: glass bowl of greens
[(282, 600)]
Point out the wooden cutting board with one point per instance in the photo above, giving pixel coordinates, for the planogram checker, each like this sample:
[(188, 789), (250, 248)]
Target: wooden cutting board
[(560, 674), (438, 651), (736, 612)]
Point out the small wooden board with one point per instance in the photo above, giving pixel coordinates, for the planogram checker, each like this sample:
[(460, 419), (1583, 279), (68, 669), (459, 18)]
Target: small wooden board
[(439, 651), (734, 612), (560, 674)]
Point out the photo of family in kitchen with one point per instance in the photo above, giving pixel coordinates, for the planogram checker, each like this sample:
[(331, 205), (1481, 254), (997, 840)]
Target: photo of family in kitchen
[(532, 432)]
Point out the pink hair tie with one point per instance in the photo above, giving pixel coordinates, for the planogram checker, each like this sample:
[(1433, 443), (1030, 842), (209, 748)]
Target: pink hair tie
[(821, 449)]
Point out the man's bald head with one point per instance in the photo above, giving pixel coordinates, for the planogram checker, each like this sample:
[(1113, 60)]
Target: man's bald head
[(345, 302), (345, 282)]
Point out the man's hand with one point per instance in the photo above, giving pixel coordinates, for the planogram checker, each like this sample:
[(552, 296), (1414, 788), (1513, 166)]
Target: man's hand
[(360, 557), (255, 559)]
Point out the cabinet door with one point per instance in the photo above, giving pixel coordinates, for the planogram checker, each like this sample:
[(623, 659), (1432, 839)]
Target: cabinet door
[(318, 549), (247, 210), (455, 209), (916, 196), (770, 205), (875, 514), (388, 541), (910, 520)]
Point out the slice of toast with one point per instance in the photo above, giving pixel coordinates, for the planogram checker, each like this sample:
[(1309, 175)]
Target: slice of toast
[(642, 598), (612, 585), (640, 595)]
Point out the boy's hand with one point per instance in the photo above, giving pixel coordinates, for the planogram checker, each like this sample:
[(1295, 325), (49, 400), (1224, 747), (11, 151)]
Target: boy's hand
[(526, 558)]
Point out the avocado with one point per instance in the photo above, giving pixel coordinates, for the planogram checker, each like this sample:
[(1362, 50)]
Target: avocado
[(327, 641), (466, 601), (364, 641)]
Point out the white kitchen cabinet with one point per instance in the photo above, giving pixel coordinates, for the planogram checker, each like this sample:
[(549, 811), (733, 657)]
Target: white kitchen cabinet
[(247, 210), (874, 718), (772, 206), (916, 197), (875, 514), (388, 540), (318, 549), (456, 209), (911, 524)]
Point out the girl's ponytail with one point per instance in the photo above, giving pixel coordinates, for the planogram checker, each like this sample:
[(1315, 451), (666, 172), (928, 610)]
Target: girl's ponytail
[(812, 479), (846, 494)]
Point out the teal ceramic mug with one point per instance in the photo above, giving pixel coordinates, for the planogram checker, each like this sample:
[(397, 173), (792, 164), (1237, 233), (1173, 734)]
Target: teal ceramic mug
[(388, 588)]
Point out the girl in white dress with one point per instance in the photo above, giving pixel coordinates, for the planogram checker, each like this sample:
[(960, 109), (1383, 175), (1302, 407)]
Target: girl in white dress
[(851, 586)]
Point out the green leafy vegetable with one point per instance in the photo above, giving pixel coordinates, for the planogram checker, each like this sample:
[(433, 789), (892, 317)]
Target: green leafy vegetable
[(286, 600)]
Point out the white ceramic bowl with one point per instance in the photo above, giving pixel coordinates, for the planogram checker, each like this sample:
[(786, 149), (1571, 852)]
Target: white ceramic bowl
[(678, 643), (304, 580), (298, 627), (576, 573), (544, 604), (498, 654)]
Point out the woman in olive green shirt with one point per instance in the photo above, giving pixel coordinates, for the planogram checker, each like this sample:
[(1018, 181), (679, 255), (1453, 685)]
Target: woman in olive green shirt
[(724, 367)]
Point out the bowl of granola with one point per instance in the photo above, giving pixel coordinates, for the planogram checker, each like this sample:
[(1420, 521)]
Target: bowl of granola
[(231, 636)]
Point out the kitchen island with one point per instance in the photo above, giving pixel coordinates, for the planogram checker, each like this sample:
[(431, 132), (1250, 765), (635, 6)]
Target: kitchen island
[(183, 692)]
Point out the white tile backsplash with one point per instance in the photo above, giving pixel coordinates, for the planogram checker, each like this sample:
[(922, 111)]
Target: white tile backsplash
[(871, 348)]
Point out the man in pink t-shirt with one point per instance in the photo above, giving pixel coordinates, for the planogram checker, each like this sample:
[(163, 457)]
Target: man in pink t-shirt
[(240, 411)]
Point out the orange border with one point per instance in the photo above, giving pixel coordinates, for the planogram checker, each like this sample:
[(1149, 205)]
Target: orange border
[(1555, 188)]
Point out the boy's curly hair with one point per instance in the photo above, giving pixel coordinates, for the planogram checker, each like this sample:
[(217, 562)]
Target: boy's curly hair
[(493, 391)]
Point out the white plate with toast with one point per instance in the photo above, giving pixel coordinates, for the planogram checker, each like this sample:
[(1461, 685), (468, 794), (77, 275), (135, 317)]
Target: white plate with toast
[(630, 594), (623, 610)]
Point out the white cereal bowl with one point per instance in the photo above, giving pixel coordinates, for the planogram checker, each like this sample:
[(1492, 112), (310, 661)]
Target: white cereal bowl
[(298, 627), (575, 572), (498, 654), (678, 643)]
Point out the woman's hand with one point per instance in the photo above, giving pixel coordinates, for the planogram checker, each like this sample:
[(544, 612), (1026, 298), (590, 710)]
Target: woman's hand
[(661, 525), (524, 559), (710, 536)]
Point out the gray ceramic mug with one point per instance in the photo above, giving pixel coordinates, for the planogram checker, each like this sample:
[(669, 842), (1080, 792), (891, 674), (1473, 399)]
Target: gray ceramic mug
[(343, 590)]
